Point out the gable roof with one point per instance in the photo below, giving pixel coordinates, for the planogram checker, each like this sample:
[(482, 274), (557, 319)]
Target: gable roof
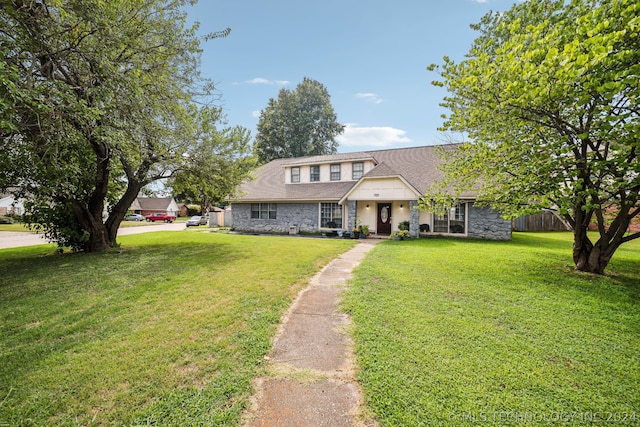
[(154, 203), (418, 166)]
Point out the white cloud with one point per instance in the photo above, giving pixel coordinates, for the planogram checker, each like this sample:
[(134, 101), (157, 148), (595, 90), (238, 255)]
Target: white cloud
[(256, 114), (262, 81), (370, 97), (372, 136)]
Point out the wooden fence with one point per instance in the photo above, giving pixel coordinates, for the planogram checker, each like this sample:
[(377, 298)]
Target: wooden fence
[(544, 221)]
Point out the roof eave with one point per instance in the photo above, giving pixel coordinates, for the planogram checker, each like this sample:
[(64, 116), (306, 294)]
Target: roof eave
[(400, 177)]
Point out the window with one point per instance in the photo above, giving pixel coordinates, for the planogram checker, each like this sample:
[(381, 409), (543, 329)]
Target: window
[(357, 170), (315, 174), (263, 210), (452, 221), (335, 173), (330, 215), (295, 174)]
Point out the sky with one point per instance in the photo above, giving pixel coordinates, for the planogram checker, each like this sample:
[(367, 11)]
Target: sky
[(370, 55)]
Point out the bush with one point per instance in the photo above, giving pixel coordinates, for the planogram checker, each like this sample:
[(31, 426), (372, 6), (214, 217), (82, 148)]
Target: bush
[(193, 210), (6, 220), (15, 217), (404, 225)]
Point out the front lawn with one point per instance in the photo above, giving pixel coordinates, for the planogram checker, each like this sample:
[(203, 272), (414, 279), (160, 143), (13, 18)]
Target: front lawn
[(16, 226), (453, 332), (170, 330)]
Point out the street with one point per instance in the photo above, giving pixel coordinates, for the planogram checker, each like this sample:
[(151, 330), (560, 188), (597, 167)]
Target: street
[(13, 239)]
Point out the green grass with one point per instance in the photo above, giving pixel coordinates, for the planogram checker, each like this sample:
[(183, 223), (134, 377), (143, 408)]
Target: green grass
[(16, 226), (452, 332), (170, 330)]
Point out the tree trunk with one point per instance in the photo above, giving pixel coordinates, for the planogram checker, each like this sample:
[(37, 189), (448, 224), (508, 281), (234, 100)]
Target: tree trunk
[(119, 211), (90, 221), (594, 257), (589, 257), (98, 238)]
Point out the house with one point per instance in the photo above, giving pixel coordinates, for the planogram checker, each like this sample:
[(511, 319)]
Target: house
[(375, 188), (150, 205), (188, 210), (9, 205)]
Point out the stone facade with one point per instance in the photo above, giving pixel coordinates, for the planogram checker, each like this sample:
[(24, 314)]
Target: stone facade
[(351, 215), (485, 223), (482, 223), (414, 220), (305, 216)]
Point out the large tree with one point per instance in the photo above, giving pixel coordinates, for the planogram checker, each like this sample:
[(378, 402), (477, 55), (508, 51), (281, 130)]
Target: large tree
[(301, 122), (548, 96), (97, 100), (219, 160)]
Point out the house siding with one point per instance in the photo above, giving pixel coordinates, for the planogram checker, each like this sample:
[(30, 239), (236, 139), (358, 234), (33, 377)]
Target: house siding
[(305, 216), (485, 223)]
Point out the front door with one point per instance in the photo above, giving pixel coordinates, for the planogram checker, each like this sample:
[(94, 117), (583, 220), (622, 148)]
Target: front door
[(384, 218)]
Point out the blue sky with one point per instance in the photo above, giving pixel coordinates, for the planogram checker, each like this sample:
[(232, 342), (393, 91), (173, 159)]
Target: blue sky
[(370, 55)]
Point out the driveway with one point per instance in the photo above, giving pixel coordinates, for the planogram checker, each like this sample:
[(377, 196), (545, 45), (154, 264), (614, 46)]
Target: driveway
[(12, 239)]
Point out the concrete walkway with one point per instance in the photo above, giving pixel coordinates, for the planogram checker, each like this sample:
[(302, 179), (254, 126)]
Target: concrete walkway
[(311, 380)]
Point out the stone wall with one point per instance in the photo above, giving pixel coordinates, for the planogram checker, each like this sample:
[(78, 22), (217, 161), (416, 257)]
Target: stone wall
[(351, 215), (414, 220), (305, 216), (485, 223)]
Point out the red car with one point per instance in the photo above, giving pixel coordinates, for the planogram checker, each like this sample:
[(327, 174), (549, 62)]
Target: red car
[(160, 217)]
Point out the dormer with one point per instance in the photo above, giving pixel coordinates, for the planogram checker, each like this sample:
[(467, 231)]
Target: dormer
[(325, 169)]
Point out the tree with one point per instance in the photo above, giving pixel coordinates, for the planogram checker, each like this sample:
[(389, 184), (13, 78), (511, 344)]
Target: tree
[(299, 123), (548, 95), (218, 161), (97, 100)]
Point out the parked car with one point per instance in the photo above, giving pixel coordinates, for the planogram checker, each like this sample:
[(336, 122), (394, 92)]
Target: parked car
[(196, 220), (160, 217), (135, 217)]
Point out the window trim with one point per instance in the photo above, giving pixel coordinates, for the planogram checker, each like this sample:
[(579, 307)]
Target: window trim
[(313, 174), (264, 211), (353, 170), (460, 210), (335, 173), (332, 206), (295, 178)]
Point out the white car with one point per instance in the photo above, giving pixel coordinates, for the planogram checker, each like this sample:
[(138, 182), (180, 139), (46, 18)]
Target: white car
[(196, 220)]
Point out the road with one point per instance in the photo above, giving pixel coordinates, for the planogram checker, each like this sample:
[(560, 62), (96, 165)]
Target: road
[(12, 239)]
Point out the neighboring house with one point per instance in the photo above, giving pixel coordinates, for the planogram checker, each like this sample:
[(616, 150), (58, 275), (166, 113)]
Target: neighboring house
[(9, 205), (189, 210), (375, 188), (150, 205), (609, 214)]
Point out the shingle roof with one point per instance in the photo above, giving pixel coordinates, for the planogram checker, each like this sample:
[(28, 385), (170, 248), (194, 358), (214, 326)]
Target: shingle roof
[(381, 170), (417, 165), (329, 158), (154, 203)]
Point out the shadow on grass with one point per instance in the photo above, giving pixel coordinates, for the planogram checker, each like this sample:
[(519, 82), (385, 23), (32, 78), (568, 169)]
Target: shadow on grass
[(544, 257)]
